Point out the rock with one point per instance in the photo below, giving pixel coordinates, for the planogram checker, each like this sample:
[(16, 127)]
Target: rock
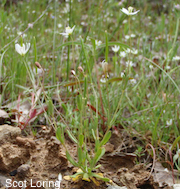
[(116, 187), (3, 116), (13, 173), (3, 180), (27, 142), (53, 176), (12, 156), (109, 147), (23, 170), (53, 145), (8, 133)]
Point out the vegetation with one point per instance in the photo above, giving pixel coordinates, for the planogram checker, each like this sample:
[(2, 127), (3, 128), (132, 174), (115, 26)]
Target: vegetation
[(95, 68)]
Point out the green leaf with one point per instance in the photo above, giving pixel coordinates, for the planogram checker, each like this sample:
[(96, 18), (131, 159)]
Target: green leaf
[(97, 145), (114, 43), (175, 143), (98, 156), (93, 134), (71, 136), (106, 138), (50, 105), (98, 166), (81, 139), (60, 135), (70, 159), (86, 177), (80, 155), (100, 177)]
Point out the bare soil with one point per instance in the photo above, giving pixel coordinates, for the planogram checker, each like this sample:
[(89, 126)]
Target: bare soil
[(42, 158)]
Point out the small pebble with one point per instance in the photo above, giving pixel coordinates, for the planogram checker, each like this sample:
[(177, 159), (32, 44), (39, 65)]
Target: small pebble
[(23, 170)]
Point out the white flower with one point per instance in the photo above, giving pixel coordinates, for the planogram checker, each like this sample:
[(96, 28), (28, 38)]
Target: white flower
[(133, 51), (133, 81), (169, 122), (133, 35), (98, 43), (130, 63), (129, 11), (22, 50), (103, 80), (68, 31), (127, 37), (115, 48), (122, 54), (176, 58), (59, 25), (128, 50), (151, 66), (177, 6), (168, 67), (23, 35), (122, 74)]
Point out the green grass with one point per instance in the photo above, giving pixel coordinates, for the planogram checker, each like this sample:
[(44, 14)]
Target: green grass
[(145, 105)]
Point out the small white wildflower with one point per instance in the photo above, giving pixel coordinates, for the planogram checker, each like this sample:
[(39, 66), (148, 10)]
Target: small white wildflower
[(164, 111), (129, 11), (176, 58), (30, 25), (133, 35), (168, 67), (115, 48), (68, 31), (151, 66), (133, 81), (148, 95), (59, 25), (22, 34), (130, 63), (125, 21), (166, 170), (177, 6), (169, 122), (128, 50), (98, 43), (134, 51), (22, 50), (122, 74), (103, 80), (127, 37), (136, 76), (122, 54)]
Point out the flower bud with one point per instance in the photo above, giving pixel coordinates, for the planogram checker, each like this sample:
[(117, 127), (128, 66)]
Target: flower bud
[(73, 72), (80, 69), (38, 65)]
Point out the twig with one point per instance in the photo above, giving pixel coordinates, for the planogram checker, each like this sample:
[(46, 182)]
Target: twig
[(154, 160)]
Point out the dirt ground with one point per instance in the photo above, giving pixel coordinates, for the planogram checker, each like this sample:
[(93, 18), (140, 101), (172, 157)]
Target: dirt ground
[(42, 158)]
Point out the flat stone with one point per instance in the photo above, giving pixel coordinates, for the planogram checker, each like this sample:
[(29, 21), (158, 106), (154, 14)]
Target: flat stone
[(3, 180), (116, 187), (8, 133), (23, 170), (12, 156)]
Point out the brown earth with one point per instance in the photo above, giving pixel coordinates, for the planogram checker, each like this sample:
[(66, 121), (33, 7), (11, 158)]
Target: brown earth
[(43, 157)]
